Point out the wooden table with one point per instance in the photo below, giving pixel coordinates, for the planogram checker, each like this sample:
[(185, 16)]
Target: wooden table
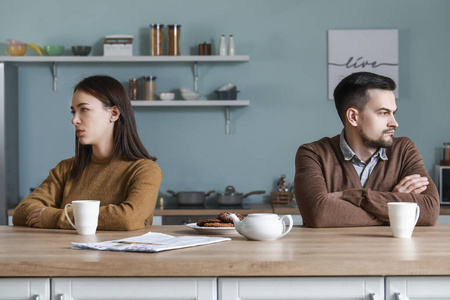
[(366, 251)]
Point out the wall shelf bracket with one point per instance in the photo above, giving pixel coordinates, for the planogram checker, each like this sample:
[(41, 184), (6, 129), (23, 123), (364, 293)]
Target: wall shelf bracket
[(196, 76), (55, 76), (227, 120)]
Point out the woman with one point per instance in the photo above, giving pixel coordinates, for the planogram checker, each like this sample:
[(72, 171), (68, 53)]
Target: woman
[(110, 165)]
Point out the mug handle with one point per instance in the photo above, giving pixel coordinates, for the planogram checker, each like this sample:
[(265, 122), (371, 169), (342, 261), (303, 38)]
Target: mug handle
[(291, 224), (417, 215), (7, 52), (67, 215)]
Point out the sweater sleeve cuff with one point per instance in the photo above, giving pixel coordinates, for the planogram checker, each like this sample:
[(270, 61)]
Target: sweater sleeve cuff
[(354, 196), (51, 216)]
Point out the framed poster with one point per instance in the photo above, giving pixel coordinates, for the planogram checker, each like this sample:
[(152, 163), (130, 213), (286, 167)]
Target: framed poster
[(351, 51)]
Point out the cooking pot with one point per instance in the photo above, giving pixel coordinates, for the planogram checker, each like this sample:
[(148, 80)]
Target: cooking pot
[(230, 197), (191, 198)]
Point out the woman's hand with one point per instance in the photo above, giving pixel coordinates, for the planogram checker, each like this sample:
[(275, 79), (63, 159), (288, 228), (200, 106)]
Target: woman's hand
[(34, 218)]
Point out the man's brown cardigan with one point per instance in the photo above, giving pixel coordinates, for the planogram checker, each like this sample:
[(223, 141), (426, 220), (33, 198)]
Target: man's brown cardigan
[(321, 169)]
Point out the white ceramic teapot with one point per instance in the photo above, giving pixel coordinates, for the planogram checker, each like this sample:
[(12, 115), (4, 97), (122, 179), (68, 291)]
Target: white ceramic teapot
[(262, 227)]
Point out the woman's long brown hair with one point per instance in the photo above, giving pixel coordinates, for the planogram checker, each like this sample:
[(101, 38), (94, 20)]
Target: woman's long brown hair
[(127, 144)]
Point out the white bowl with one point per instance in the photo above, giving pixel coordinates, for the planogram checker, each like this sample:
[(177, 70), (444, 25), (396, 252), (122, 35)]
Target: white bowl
[(166, 96), (190, 95)]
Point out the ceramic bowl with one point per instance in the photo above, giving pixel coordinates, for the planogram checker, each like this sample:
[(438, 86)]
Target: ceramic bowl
[(191, 95), (16, 50), (53, 50), (81, 50), (166, 96)]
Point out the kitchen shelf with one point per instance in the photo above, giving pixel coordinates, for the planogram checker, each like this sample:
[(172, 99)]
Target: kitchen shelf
[(195, 59), (54, 60), (191, 103), (197, 103), (110, 59)]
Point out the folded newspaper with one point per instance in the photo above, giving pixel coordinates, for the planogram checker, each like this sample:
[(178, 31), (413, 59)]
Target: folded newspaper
[(150, 242)]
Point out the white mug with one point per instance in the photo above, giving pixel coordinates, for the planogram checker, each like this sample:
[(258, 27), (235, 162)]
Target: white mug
[(403, 217), (85, 213)]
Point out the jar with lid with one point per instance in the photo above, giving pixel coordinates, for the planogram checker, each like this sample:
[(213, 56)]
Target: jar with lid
[(150, 87), (156, 37), (446, 155), (134, 89), (174, 39)]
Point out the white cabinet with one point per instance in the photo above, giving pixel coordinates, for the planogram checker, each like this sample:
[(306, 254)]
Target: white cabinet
[(364, 288), (134, 288), (25, 288), (418, 288)]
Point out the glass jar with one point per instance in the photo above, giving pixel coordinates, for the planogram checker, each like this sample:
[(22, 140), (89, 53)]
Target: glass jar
[(134, 89), (174, 39), (156, 37), (446, 155), (150, 87)]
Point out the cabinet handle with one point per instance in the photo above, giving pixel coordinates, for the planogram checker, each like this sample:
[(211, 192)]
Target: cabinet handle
[(373, 296), (36, 297), (398, 296), (61, 297)]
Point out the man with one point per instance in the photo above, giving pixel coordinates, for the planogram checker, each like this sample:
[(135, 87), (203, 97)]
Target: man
[(348, 180)]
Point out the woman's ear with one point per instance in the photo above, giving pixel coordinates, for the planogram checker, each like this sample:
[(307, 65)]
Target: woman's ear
[(115, 113), (352, 116)]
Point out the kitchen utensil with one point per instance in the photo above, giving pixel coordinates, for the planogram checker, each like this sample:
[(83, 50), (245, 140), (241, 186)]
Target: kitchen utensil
[(262, 227), (227, 92), (53, 50), (188, 94), (85, 213), (133, 90), (230, 197), (167, 96), (403, 218), (150, 87), (156, 37), (212, 230), (15, 48), (81, 50), (190, 198), (174, 39), (204, 49)]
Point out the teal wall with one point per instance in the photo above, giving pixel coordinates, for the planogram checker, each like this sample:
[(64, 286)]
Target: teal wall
[(285, 80)]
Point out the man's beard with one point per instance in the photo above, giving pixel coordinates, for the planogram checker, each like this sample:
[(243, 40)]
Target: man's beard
[(382, 142)]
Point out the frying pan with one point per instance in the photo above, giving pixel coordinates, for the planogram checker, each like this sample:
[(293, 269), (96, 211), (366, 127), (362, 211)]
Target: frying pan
[(190, 198), (230, 197)]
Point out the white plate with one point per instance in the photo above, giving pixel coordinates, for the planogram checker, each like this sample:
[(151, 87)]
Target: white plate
[(212, 230)]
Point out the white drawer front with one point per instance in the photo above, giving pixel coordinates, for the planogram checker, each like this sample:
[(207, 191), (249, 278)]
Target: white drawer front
[(418, 288), (301, 288), (134, 288), (24, 288)]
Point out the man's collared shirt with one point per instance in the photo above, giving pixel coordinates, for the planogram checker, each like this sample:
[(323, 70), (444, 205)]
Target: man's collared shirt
[(363, 169)]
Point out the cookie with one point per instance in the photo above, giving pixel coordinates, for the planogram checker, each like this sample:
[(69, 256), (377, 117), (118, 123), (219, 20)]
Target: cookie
[(218, 225), (202, 222), (225, 217)]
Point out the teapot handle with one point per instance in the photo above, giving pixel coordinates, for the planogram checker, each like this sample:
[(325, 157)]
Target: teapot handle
[(291, 224)]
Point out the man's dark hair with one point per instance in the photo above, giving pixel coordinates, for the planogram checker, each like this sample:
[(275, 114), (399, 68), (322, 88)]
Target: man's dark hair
[(352, 91)]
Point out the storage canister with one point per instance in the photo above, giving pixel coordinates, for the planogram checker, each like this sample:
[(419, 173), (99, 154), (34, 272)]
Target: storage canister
[(156, 37), (174, 39), (150, 87), (134, 89)]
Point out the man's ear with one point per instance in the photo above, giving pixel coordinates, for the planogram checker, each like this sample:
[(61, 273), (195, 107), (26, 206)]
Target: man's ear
[(352, 116), (115, 113)]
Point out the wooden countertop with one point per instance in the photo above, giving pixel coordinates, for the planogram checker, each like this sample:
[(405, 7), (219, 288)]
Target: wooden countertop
[(291, 209), (363, 251)]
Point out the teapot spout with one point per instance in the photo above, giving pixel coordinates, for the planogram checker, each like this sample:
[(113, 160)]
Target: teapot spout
[(237, 222)]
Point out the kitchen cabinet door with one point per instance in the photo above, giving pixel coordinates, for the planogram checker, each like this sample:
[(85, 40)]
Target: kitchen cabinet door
[(271, 288), (134, 288), (25, 288), (418, 288)]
